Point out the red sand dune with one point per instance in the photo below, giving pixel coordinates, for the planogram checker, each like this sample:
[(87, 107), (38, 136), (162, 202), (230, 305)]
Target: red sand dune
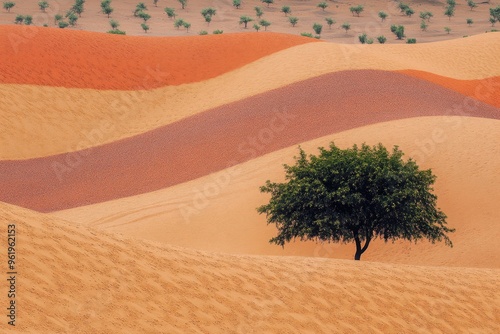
[(81, 59), (486, 90), (233, 133)]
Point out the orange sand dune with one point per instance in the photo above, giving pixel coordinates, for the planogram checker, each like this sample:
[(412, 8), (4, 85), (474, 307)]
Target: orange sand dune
[(233, 133), (83, 59), (218, 212), (486, 90), (33, 125), (75, 279)]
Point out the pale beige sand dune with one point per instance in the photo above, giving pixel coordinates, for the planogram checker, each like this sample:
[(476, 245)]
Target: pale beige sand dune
[(39, 121), (75, 279), (217, 212)]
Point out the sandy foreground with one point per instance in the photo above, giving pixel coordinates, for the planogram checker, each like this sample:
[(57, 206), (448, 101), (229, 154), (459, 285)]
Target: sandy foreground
[(227, 18), (76, 279)]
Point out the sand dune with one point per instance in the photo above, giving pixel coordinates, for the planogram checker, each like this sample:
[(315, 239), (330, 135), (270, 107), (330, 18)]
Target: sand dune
[(234, 133), (217, 212), (79, 280), (33, 125), (105, 61)]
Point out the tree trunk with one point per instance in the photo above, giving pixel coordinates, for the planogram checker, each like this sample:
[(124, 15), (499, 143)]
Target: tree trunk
[(360, 250)]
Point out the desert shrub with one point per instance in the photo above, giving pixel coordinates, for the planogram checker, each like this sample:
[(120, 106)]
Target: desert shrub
[(186, 25), (317, 28), (268, 2), (259, 12), (8, 5), (471, 4), (218, 32), (62, 24), (470, 22), (256, 27), (356, 10), (143, 15), (449, 11), (43, 5), (183, 3), (323, 5), (19, 19), (409, 12), (423, 25), (145, 27), (178, 23), (286, 10), (411, 41), (382, 15), (203, 32), (330, 21), (381, 39), (293, 20), (114, 24), (399, 31), (447, 29), (117, 32), (237, 3), (306, 34), (346, 26), (170, 12), (72, 18)]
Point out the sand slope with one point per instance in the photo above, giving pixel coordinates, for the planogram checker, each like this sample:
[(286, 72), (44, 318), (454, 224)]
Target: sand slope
[(84, 59), (221, 137), (217, 212), (80, 280), (37, 121)]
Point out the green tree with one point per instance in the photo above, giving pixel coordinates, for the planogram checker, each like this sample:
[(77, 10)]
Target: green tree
[(426, 16), (346, 26), (43, 5), (170, 12), (449, 11), (259, 12), (381, 39), (72, 18), (265, 24), (183, 3), (286, 10), (323, 5), (409, 12), (108, 10), (237, 3), (495, 13), (382, 15), (293, 20), (356, 10), (492, 21), (355, 195), (114, 24), (104, 4), (208, 19), (57, 18), (451, 3), (19, 19), (245, 20), (210, 11), (178, 23), (62, 24), (155, 2), (7, 5), (317, 28), (399, 31), (145, 27), (363, 38), (330, 21), (403, 7), (470, 22), (423, 25), (140, 7), (143, 15), (256, 27), (77, 8), (447, 29), (471, 4), (268, 2), (186, 25)]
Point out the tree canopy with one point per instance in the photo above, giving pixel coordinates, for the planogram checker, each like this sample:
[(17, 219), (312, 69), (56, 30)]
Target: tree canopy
[(354, 195)]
